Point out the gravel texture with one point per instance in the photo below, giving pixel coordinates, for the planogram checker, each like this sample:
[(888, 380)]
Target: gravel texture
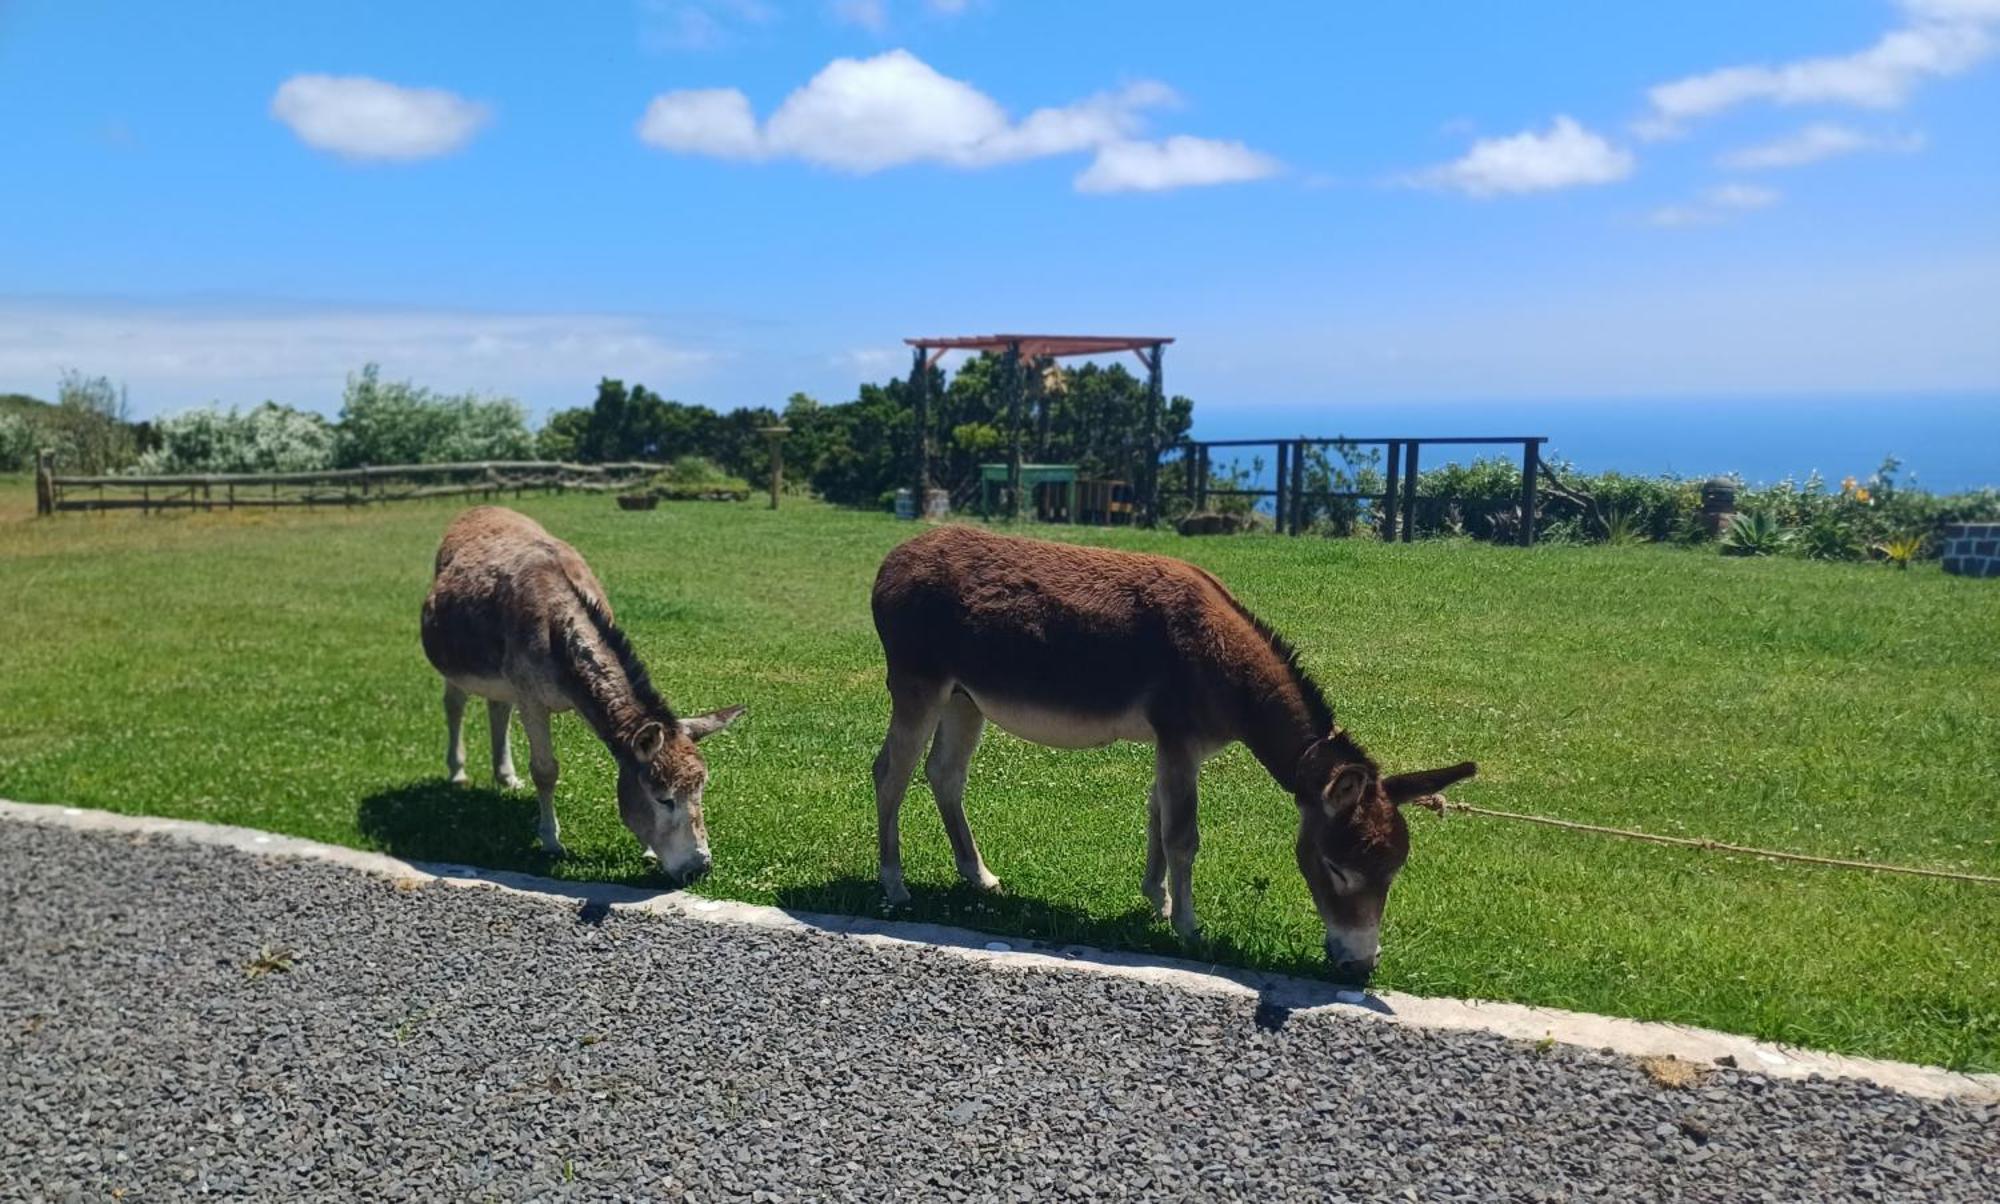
[(428, 1041)]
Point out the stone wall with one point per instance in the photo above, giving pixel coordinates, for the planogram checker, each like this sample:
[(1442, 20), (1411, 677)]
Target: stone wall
[(1972, 549)]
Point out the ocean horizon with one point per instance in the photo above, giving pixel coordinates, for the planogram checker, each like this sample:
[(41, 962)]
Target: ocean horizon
[(1944, 444)]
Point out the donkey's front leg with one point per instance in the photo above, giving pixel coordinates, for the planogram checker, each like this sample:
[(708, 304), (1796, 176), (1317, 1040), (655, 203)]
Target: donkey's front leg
[(1174, 772), (1153, 884), (503, 751), (542, 767)]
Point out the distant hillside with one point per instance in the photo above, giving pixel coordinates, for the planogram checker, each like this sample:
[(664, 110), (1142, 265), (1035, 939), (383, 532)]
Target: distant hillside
[(21, 403)]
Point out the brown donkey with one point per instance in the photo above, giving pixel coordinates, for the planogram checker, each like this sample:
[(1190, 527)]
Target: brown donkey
[(1077, 647), (515, 616)]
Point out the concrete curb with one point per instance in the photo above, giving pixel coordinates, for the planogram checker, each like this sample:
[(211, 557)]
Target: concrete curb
[(1634, 1038)]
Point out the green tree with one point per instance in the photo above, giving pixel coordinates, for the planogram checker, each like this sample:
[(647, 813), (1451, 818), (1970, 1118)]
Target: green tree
[(397, 422)]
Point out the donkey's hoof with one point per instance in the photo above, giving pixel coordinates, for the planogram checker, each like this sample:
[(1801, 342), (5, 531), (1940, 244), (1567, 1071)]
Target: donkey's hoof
[(510, 782), (1157, 900), (982, 879), (457, 779), (896, 894), (553, 847)]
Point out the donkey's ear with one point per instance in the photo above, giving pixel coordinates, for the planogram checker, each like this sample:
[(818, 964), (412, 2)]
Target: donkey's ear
[(1344, 790), (648, 741), (1403, 787), (702, 726)]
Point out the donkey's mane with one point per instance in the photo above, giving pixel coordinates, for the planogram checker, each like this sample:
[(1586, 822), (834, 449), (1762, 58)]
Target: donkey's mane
[(613, 638), (1316, 703)]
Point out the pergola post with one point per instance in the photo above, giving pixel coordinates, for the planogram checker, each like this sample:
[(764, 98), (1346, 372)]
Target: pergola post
[(1155, 401), (1011, 370), (920, 383)]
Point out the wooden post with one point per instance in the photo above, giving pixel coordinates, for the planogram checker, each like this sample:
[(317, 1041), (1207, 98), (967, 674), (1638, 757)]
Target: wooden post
[(1410, 491), (45, 482), (920, 384), (1299, 486), (1284, 478), (1201, 477), (1387, 519), (776, 435), (1011, 381), (1531, 463), (1155, 401)]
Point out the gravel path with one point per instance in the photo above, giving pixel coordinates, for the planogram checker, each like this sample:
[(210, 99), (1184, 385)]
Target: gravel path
[(428, 1041)]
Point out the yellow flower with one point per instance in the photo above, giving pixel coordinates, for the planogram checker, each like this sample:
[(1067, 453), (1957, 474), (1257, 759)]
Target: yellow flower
[(1860, 495), (1847, 484)]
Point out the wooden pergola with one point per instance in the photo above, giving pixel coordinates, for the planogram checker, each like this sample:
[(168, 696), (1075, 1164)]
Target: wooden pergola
[(1013, 349)]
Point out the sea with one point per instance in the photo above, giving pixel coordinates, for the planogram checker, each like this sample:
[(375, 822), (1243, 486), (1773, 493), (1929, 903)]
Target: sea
[(1943, 444)]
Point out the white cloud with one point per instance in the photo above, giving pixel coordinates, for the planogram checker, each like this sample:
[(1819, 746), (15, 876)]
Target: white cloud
[(865, 115), (1743, 196), (872, 15), (1717, 204), (1947, 37), (1565, 156), (362, 118), (696, 24), (1821, 140), (175, 356), (1953, 10), (703, 121), (1177, 162)]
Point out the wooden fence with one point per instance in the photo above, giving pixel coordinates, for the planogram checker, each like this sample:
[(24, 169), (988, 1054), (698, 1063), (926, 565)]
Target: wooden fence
[(1395, 507), (340, 487)]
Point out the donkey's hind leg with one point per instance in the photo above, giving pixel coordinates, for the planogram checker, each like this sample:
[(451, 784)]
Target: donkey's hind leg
[(497, 714), (454, 734), (912, 719), (957, 738)]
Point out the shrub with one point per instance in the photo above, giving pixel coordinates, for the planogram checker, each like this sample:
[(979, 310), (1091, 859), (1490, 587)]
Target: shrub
[(267, 438), (695, 477), (19, 440)]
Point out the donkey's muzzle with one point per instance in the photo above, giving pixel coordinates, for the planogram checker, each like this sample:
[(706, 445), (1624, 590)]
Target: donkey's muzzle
[(1350, 971)]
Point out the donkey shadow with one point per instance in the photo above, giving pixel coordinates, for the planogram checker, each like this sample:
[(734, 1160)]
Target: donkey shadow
[(960, 916), (468, 825)]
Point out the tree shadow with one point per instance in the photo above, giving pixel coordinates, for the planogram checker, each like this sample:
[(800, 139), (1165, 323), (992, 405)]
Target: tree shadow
[(959, 915), (466, 825)]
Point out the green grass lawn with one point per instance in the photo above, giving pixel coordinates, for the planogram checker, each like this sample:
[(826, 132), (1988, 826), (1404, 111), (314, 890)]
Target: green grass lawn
[(263, 669)]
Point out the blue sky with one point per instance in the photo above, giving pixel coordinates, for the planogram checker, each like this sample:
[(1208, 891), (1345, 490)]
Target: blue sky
[(734, 199)]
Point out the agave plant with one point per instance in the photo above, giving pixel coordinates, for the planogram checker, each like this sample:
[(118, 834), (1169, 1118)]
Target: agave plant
[(1902, 550), (1757, 533), (1621, 530)]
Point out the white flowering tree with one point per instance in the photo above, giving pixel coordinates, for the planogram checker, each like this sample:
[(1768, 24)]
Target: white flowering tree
[(266, 438)]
